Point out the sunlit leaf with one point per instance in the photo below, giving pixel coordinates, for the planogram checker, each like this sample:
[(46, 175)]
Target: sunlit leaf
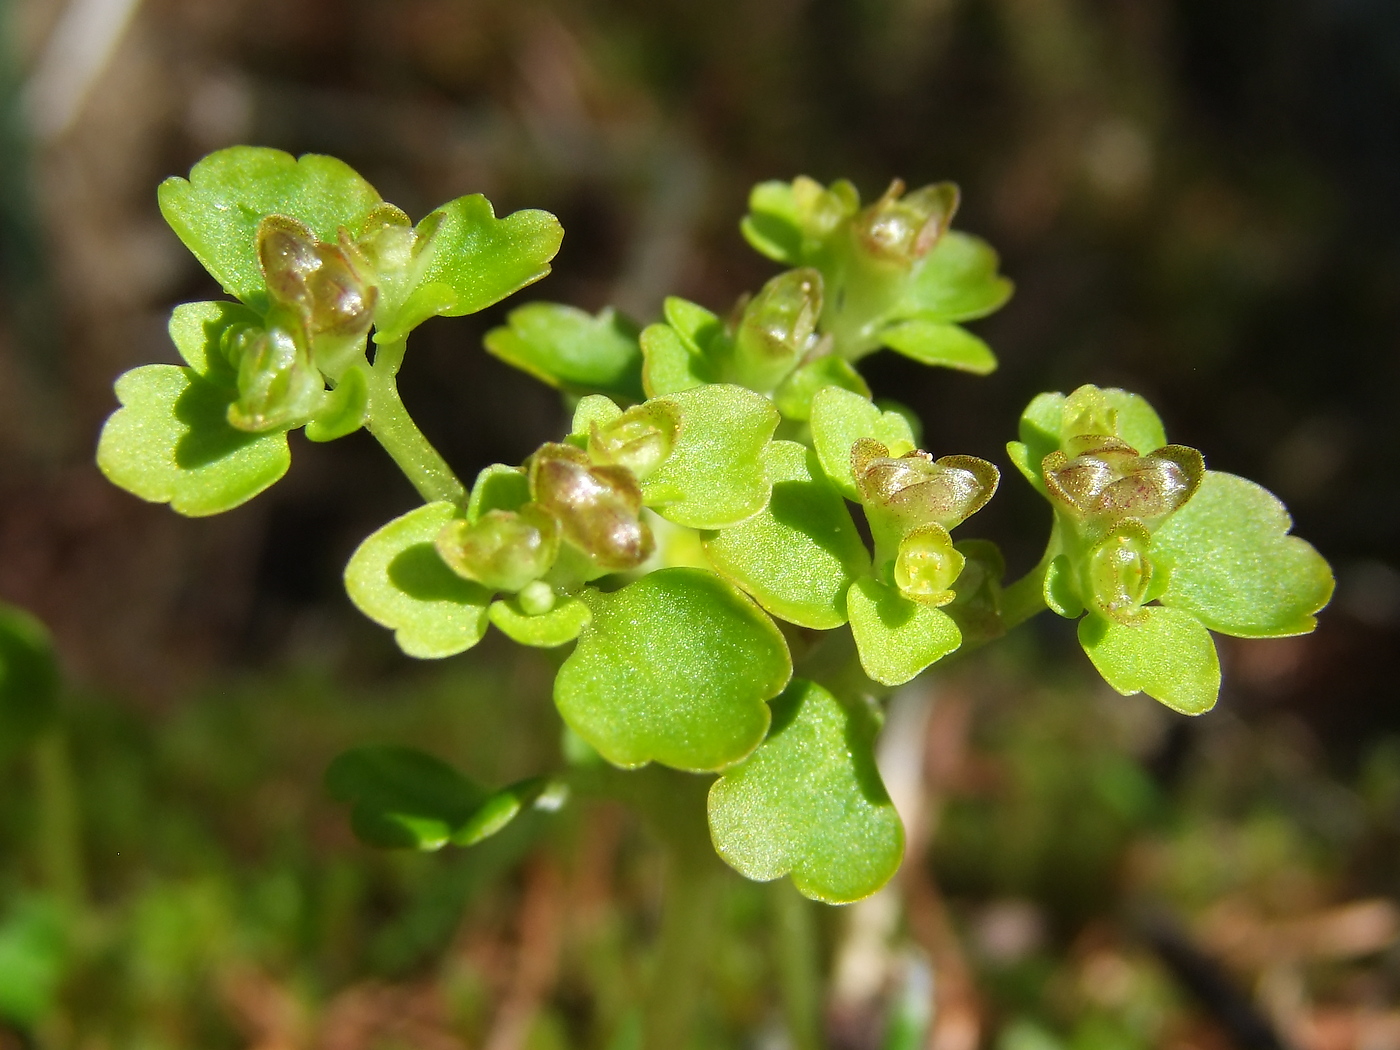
[(498, 487), (1234, 566), (714, 475), (466, 260), (1167, 654), (948, 345), (897, 638), (773, 225), (794, 397), (28, 679), (800, 553), (544, 630), (675, 668), (217, 211), (697, 326), (397, 579), (810, 802), (571, 349), (669, 365), (839, 419), (956, 281), (346, 408)]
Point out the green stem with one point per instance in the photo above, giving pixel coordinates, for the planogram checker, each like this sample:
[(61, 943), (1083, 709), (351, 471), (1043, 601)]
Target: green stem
[(395, 430), (1026, 597), (60, 841), (798, 975), (687, 926)]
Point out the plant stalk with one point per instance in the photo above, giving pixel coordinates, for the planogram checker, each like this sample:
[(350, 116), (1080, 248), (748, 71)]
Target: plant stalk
[(399, 435), (60, 835), (798, 974)]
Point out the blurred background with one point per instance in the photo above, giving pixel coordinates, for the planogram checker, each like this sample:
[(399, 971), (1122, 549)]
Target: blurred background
[(1198, 200)]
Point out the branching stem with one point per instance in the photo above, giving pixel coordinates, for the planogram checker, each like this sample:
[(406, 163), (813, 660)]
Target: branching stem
[(399, 435)]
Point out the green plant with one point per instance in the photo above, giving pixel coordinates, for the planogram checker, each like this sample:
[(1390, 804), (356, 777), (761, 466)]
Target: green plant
[(702, 493)]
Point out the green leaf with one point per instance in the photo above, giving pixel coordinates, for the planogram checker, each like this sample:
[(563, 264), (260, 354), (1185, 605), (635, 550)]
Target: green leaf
[(674, 668), (402, 797), (1060, 591), (466, 259), (28, 680), (714, 476), (839, 418), (346, 409), (503, 806), (543, 630), (216, 213), (669, 365), (396, 578), (794, 397), (498, 487), (773, 225), (798, 555), (897, 638), (810, 802), (1234, 566), (34, 953), (1167, 654), (957, 281), (571, 349), (171, 442), (591, 408), (949, 345), (697, 326), (197, 329)]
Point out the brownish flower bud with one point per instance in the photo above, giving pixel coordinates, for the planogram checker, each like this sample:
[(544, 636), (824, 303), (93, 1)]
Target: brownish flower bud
[(917, 490), (777, 328), (904, 228), (1102, 480), (598, 507)]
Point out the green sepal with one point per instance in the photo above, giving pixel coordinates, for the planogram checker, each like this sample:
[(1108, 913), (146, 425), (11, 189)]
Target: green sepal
[(897, 638), (675, 668), (546, 630), (1166, 654), (403, 798), (839, 419), (171, 442), (948, 345), (1042, 423), (571, 349), (397, 579), (498, 487), (800, 553), (809, 802), (28, 680), (216, 211), (591, 408), (465, 260), (1060, 590), (346, 408), (1233, 565), (773, 226), (714, 476), (697, 326), (956, 281), (669, 365), (794, 397)]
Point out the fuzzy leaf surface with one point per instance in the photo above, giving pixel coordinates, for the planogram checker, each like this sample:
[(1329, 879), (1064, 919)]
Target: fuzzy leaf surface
[(571, 349), (946, 345), (669, 365), (839, 419), (1234, 566), (1169, 656), (810, 803), (217, 210), (675, 668), (800, 553), (897, 638), (715, 474), (397, 579), (956, 281)]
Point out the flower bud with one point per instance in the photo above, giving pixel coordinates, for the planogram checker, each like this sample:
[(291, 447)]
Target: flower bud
[(927, 565), (1107, 481), (503, 550), (819, 209), (598, 507), (640, 439), (777, 328), (388, 241), (904, 228), (1120, 573), (917, 490), (277, 385)]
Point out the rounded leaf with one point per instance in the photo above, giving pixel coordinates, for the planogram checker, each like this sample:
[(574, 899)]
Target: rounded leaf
[(669, 365), (345, 410), (714, 476), (897, 638), (1166, 654), (1233, 565), (956, 281), (571, 349), (216, 212), (798, 555), (171, 442), (840, 418), (675, 668), (810, 803), (545, 630), (398, 580), (948, 345)]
